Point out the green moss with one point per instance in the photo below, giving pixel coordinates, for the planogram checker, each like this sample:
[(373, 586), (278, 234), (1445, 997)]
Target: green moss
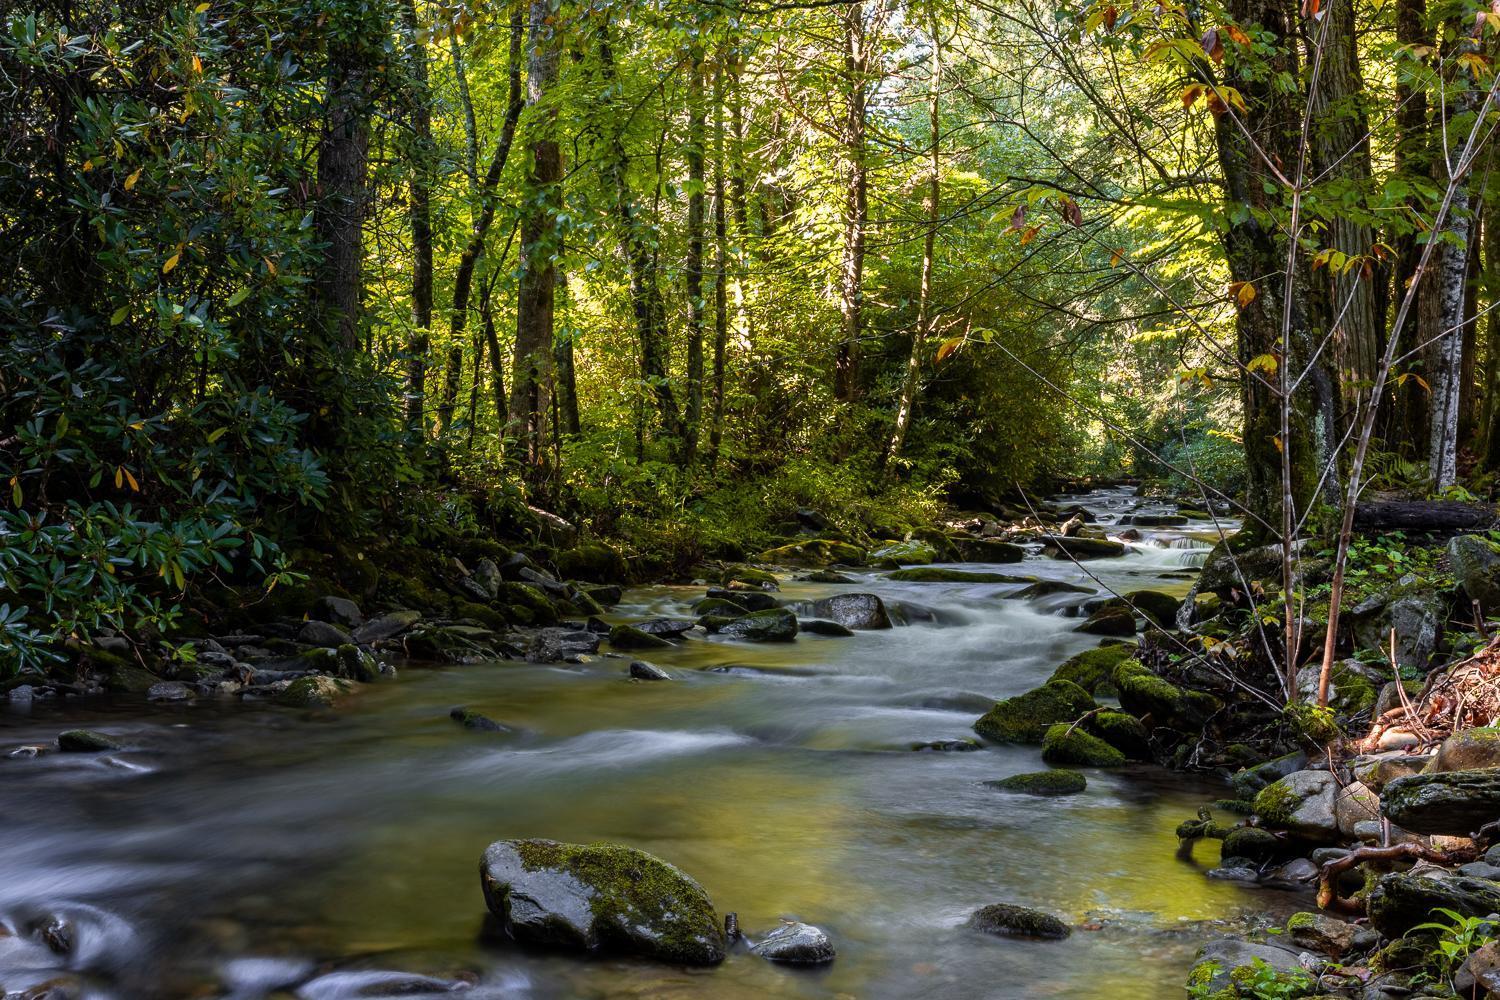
[(1066, 744), (592, 561), (1143, 693), (813, 552), (1093, 669), (1122, 731), (764, 579), (483, 614), (720, 607), (1025, 718), (933, 574), (1240, 807), (633, 889), (1058, 781), (1310, 725), (910, 553), (1302, 921), (1250, 842), (1276, 803), (630, 637), (527, 596)]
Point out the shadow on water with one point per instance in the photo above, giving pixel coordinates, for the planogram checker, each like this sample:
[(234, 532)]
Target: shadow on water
[(232, 850)]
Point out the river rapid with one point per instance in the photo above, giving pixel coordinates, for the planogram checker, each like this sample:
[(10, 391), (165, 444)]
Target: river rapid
[(247, 850)]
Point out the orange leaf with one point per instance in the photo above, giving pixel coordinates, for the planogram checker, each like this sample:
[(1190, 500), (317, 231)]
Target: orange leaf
[(1029, 235), (947, 347), (1243, 292)]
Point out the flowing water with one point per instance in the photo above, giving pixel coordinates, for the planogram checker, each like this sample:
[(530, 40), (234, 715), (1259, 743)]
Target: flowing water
[(234, 849)]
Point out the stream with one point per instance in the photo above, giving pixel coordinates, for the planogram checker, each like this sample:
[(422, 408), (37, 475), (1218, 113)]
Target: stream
[(234, 849)]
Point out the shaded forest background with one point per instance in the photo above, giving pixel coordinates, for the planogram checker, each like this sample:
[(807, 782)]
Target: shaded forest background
[(283, 276)]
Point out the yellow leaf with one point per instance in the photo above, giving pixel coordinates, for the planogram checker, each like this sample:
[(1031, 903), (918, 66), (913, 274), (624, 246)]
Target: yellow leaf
[(131, 180), (947, 347), (171, 263), (135, 486), (1115, 257), (1029, 235), (1191, 93), (1243, 292), (119, 477), (1277, 442), (197, 64), (201, 8), (1263, 362)]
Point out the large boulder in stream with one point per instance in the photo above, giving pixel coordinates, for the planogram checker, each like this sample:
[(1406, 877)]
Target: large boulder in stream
[(856, 611), (1454, 803), (813, 552), (1027, 717), (600, 898), (908, 553), (1302, 804), (1010, 920), (987, 550), (771, 625), (1083, 547), (1072, 744)]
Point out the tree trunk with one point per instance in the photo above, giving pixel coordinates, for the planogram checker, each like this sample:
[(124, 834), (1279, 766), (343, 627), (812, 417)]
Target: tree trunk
[(923, 333), (567, 376), (531, 364), (856, 202), (721, 270), (1406, 425), (463, 279), (339, 215), (695, 219), (420, 214)]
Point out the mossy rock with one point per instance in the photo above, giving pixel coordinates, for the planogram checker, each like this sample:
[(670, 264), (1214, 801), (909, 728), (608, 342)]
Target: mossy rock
[(1026, 717), (719, 606), (1160, 608), (125, 677), (1109, 620), (592, 561), (1058, 781), (530, 597), (630, 637), (813, 552), (1009, 920), (764, 579), (908, 553), (483, 614), (1122, 731), (1068, 744), (987, 550), (600, 898), (1142, 693), (935, 574), (86, 741), (770, 625), (1094, 669), (316, 691), (1251, 842)]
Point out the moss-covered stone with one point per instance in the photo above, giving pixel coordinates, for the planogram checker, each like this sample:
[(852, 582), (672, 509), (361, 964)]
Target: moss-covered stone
[(1158, 607), (317, 691), (1026, 717), (1109, 620), (1069, 744), (86, 741), (720, 606), (770, 625), (530, 597), (1058, 781), (1143, 694), (1251, 842), (1122, 731), (813, 552), (1093, 669), (630, 637), (592, 561), (740, 573), (600, 898), (1009, 920), (908, 553), (481, 613)]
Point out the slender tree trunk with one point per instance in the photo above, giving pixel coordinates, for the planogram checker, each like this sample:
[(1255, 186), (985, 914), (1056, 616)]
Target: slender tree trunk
[(856, 201), (923, 333), (721, 271), (531, 366), (419, 211), (645, 292), (694, 268), (567, 377), (463, 279), (1406, 425), (1490, 413), (339, 215), (497, 357), (1443, 312), (744, 319)]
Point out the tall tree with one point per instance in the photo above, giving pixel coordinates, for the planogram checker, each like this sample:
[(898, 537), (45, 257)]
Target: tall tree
[(857, 42), (342, 180), (696, 139), (532, 365), (420, 168)]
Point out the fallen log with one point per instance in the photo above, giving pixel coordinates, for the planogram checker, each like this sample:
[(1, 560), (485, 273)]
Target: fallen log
[(1440, 516)]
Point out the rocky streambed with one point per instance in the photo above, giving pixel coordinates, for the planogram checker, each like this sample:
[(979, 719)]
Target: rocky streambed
[(219, 846)]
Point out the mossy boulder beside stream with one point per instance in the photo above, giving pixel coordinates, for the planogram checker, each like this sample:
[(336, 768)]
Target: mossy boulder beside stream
[(600, 898), (1094, 669), (1026, 717), (1068, 744)]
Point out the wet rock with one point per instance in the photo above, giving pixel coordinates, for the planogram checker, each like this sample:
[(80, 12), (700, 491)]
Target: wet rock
[(1320, 932), (598, 898), (1058, 781), (338, 611), (317, 691), (946, 746), (1400, 901), (643, 671), (1378, 770), (630, 637), (557, 645), (669, 628), (1122, 731), (387, 626), (470, 719), (1475, 561), (593, 561), (937, 574), (813, 552), (1083, 547), (1468, 750), (1353, 804), (1251, 842), (1026, 717), (170, 691), (795, 943), (721, 608), (1455, 803), (1109, 620), (1417, 615), (771, 625), (1480, 972), (1302, 804), (316, 633), (1069, 744), (1156, 606), (748, 600), (1233, 873), (1217, 962), (86, 741), (1009, 920), (1143, 694), (1044, 588), (987, 550), (828, 576), (820, 626), (607, 595), (856, 611), (1094, 669)]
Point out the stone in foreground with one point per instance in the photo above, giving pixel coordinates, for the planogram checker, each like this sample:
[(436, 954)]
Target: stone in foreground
[(1009, 920), (796, 943), (1058, 781), (600, 898), (1455, 803)]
